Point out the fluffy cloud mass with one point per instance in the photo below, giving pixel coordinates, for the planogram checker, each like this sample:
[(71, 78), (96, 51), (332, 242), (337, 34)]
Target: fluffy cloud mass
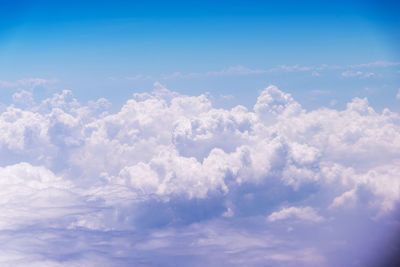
[(171, 180)]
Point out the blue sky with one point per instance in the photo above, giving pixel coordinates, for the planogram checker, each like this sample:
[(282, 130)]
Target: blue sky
[(229, 133), (104, 49)]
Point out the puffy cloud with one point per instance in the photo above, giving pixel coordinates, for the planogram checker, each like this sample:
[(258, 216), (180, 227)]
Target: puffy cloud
[(32, 195), (273, 103), (167, 162), (23, 98)]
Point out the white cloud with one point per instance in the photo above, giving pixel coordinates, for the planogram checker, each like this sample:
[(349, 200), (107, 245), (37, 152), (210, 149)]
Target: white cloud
[(369, 74), (24, 98), (346, 199), (359, 74), (295, 68), (315, 74), (145, 145), (300, 213), (171, 160), (174, 75), (134, 78), (352, 74), (27, 83), (233, 70), (376, 64), (240, 70), (30, 195), (227, 97), (237, 70)]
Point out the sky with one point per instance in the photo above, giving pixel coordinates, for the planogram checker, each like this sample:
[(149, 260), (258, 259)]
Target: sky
[(208, 133), (111, 49)]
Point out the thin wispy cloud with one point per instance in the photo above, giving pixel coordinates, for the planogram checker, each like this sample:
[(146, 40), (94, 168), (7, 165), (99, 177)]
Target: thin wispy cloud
[(134, 78), (27, 83), (239, 70), (376, 64), (295, 68), (357, 74)]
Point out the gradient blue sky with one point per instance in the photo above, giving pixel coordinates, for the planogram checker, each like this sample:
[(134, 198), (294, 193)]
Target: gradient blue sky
[(113, 49)]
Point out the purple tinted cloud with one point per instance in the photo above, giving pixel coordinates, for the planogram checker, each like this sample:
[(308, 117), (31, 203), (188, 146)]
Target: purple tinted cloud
[(169, 180)]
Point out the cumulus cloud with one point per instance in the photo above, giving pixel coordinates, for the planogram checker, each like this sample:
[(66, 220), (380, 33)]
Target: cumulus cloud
[(24, 98), (169, 169), (31, 195)]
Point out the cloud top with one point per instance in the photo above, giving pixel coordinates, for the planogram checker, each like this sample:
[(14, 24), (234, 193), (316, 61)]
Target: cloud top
[(170, 162)]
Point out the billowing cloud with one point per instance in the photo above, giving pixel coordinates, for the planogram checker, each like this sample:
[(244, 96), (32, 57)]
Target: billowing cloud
[(169, 178)]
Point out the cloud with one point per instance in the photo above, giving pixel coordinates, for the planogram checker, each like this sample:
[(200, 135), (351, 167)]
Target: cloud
[(24, 98), (348, 74), (237, 70), (301, 213), (315, 74), (170, 178), (240, 70), (398, 94), (139, 77), (369, 74), (295, 68), (376, 64), (27, 83), (134, 78), (359, 74), (346, 199), (174, 75), (227, 97), (179, 75)]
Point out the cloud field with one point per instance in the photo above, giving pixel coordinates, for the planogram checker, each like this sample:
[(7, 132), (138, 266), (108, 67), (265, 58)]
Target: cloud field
[(169, 180)]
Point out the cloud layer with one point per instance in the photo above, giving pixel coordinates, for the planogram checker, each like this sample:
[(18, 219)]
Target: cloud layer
[(170, 180)]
